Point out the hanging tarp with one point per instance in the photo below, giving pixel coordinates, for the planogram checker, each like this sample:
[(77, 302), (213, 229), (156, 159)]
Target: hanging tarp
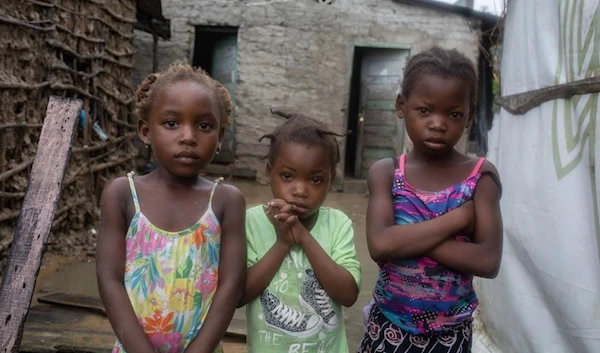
[(546, 298)]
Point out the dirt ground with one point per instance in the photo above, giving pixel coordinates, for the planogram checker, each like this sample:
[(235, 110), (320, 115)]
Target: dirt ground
[(69, 276)]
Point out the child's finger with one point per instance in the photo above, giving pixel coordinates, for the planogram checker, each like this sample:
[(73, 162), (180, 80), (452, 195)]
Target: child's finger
[(287, 209), (282, 216), (277, 203), (291, 220)]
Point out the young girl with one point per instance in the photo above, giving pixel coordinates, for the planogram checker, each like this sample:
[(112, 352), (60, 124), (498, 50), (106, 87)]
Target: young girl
[(302, 264), (171, 249), (433, 220)]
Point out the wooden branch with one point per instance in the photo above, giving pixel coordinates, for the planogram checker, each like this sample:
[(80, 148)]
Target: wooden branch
[(115, 97), (116, 53), (40, 3), (5, 245), (518, 104), (58, 86), (58, 221), (19, 125), (35, 220), (86, 76), (102, 145), (23, 85), (62, 46), (119, 17), (9, 215), (80, 36), (122, 123), (15, 170), (15, 214), (96, 168), (18, 22), (73, 12), (11, 195)]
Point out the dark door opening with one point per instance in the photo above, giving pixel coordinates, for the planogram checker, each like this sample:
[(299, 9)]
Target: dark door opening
[(215, 50), (353, 115), (378, 133)]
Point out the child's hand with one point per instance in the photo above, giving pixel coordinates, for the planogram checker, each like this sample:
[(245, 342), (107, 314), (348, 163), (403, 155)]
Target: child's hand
[(282, 216), (466, 213)]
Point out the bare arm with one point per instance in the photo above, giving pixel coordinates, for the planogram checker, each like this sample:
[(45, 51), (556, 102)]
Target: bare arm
[(263, 271), (232, 272), (110, 267), (385, 239), (335, 279), (482, 257), (261, 274)]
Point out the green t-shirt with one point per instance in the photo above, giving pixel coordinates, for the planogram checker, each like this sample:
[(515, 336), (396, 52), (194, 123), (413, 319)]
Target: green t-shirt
[(295, 314)]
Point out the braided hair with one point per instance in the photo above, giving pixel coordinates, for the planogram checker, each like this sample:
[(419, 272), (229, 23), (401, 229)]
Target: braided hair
[(440, 62), (177, 72), (306, 131)]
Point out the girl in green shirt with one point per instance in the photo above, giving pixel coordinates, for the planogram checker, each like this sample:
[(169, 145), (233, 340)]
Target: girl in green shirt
[(302, 263)]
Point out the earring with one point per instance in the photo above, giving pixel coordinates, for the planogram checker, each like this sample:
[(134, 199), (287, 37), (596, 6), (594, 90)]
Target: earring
[(147, 144), (218, 149)]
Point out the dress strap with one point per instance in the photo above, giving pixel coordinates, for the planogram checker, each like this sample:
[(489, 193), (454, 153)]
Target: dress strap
[(212, 193), (477, 167), (136, 202), (396, 163), (402, 161)]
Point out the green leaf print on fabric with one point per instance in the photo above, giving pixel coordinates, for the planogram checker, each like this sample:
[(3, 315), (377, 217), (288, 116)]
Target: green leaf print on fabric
[(197, 300), (183, 270)]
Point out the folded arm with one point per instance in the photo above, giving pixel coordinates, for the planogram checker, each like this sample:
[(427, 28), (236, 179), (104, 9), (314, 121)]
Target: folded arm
[(482, 256), (385, 239)]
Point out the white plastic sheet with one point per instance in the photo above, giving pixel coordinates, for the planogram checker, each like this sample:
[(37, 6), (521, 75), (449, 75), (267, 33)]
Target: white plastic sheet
[(546, 298)]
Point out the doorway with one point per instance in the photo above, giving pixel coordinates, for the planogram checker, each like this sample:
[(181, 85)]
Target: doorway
[(215, 50), (375, 83)]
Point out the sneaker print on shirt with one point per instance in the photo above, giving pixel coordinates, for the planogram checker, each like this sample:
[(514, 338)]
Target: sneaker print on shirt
[(314, 298), (281, 317)]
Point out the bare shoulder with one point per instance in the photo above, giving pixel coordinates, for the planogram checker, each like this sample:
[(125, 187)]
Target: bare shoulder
[(489, 167), (229, 192), (116, 190), (382, 170), (490, 181), (228, 199)]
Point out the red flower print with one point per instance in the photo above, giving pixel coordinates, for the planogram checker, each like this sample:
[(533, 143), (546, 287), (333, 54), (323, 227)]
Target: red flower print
[(158, 324), (199, 237)]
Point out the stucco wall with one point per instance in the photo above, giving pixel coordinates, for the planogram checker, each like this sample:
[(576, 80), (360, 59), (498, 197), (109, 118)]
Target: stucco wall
[(297, 55)]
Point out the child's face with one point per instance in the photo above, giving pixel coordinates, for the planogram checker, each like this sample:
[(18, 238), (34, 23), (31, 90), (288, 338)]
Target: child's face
[(301, 175), (437, 112), (183, 129)]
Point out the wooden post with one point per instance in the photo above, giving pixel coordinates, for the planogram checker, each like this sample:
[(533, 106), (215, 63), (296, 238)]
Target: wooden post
[(154, 51), (35, 220)]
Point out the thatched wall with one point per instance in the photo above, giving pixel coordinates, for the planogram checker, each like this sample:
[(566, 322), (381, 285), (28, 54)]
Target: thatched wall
[(75, 48)]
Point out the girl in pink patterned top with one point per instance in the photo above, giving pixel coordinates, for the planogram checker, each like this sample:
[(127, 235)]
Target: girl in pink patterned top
[(433, 220)]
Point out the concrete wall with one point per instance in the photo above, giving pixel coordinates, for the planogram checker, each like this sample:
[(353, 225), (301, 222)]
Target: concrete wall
[(297, 55)]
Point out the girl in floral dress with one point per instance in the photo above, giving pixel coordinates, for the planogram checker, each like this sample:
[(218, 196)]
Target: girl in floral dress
[(171, 252)]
